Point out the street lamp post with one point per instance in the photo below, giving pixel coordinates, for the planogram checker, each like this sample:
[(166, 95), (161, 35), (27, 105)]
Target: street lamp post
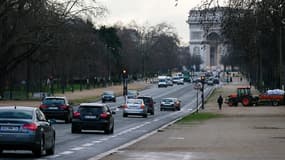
[(280, 47), (202, 90)]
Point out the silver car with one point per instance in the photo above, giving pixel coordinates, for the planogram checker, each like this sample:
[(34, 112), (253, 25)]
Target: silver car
[(26, 128), (135, 107)]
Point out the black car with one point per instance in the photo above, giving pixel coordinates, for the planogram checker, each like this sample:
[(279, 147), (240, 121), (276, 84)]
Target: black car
[(26, 128), (57, 108), (108, 96), (148, 100), (93, 116)]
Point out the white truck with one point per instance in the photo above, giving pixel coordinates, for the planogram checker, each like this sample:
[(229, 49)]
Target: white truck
[(162, 81)]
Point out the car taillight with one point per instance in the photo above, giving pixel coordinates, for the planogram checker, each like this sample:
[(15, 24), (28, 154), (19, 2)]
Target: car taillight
[(142, 106), (64, 107), (76, 114), (125, 106), (30, 126), (43, 106), (105, 115)]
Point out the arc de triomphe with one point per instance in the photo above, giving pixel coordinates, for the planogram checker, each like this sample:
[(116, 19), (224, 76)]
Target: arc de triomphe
[(205, 37)]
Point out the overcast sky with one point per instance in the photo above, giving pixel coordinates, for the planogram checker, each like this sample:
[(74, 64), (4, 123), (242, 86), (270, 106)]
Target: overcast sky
[(152, 12)]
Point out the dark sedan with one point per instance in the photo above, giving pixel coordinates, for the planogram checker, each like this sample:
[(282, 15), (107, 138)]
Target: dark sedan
[(93, 116), (170, 104), (108, 96), (57, 108), (26, 128)]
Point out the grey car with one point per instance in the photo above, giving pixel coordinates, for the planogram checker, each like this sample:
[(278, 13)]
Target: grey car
[(135, 107), (26, 128)]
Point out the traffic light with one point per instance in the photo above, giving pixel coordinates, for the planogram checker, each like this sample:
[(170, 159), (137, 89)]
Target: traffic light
[(125, 74)]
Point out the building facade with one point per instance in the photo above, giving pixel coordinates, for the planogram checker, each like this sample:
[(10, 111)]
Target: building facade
[(205, 37)]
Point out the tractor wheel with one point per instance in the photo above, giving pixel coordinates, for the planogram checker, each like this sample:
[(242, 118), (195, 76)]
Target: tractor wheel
[(245, 101), (275, 103)]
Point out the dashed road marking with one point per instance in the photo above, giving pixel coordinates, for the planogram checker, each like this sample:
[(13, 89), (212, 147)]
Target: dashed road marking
[(87, 144), (66, 152), (96, 141), (77, 148)]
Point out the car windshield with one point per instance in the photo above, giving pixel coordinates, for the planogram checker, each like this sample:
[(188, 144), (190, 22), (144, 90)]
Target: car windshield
[(162, 80), (48, 101), (108, 93), (90, 109), (16, 114), (132, 92)]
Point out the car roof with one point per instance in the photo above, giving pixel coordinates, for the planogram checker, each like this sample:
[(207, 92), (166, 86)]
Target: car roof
[(144, 96), (169, 98), (93, 104), (18, 107), (59, 97), (108, 91)]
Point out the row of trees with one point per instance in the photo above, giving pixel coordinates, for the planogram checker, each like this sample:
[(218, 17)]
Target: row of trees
[(254, 30), (45, 41)]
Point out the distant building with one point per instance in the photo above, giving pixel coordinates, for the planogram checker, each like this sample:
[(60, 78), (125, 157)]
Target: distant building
[(205, 36)]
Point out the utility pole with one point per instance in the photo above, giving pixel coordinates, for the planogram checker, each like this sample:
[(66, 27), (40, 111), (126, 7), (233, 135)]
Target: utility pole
[(202, 90), (125, 84)]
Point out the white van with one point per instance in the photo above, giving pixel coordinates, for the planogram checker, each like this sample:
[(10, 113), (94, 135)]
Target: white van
[(162, 81)]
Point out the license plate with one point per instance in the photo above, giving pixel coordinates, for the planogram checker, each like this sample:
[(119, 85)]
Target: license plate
[(9, 128), (90, 117), (52, 108)]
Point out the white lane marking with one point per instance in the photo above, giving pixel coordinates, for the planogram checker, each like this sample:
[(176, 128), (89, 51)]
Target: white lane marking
[(104, 139), (77, 148), (157, 119), (96, 141), (187, 157), (66, 152), (176, 138), (87, 144), (54, 156)]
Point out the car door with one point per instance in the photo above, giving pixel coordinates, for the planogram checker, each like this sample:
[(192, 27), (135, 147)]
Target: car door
[(45, 127)]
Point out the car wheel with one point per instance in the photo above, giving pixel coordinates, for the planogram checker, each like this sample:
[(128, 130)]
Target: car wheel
[(125, 115), (1, 151), (103, 101), (275, 103), (152, 112), (50, 151), (161, 109), (75, 129), (38, 152), (145, 115)]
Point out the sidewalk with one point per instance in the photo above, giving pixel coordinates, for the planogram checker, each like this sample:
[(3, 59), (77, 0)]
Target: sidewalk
[(91, 94), (242, 133)]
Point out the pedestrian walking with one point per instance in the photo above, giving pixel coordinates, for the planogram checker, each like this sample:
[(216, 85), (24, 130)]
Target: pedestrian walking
[(220, 102)]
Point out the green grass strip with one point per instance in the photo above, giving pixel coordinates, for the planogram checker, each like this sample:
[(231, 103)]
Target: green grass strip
[(199, 117)]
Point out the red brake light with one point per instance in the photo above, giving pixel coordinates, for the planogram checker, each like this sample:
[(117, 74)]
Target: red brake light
[(125, 106), (105, 115), (42, 106), (30, 126), (142, 106), (76, 114), (64, 106)]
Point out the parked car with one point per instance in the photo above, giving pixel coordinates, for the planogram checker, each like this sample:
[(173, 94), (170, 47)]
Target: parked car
[(148, 101), (93, 116), (170, 104), (132, 94), (57, 108), (26, 128), (169, 81), (108, 96), (135, 107)]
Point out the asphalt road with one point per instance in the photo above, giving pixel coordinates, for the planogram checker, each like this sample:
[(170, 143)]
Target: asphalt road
[(89, 144)]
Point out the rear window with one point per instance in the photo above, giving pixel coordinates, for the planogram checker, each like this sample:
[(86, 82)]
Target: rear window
[(91, 109), (16, 114), (162, 80), (145, 99), (48, 101), (167, 100)]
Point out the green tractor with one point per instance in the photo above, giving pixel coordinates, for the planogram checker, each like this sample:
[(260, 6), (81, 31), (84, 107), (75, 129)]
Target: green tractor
[(242, 96)]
